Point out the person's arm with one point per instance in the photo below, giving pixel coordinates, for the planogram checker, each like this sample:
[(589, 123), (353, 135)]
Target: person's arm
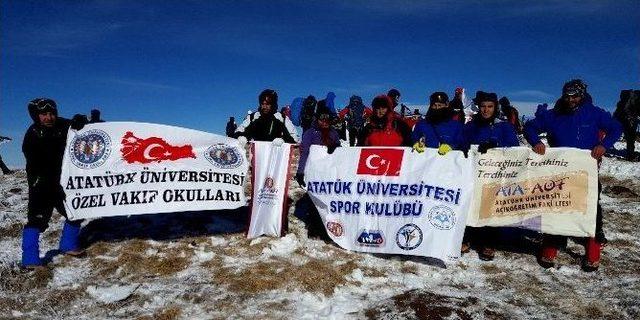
[(291, 130), (240, 130), (611, 127), (533, 128)]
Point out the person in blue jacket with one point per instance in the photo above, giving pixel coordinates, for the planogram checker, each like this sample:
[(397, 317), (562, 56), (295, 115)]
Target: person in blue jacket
[(487, 131), (438, 129), (574, 122)]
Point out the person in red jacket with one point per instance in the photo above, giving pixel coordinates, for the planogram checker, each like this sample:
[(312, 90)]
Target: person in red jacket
[(385, 128)]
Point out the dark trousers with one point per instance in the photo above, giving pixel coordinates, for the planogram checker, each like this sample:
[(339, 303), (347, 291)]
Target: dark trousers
[(42, 201), (354, 133), (4, 167), (630, 136)]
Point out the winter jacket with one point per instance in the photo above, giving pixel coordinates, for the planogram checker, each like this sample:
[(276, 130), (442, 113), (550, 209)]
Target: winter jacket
[(628, 108), (313, 136), (448, 131), (392, 132), (43, 150), (267, 128), (497, 132), (577, 128)]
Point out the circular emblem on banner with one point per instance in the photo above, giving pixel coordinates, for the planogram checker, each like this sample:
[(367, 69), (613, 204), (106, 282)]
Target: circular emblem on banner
[(335, 228), (409, 237), (223, 156), (442, 217), (90, 149)]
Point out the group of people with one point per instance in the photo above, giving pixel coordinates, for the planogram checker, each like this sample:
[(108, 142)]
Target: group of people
[(573, 122)]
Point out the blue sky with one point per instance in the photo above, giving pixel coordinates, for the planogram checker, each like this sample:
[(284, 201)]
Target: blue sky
[(195, 63)]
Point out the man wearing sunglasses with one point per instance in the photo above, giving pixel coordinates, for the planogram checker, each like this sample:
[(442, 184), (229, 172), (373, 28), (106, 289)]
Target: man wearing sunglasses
[(43, 147)]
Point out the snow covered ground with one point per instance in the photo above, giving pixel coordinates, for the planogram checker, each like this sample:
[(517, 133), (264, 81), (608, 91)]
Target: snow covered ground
[(200, 266)]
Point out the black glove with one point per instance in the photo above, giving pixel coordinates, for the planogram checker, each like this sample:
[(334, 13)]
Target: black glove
[(483, 147), (331, 148), (300, 179), (78, 121)]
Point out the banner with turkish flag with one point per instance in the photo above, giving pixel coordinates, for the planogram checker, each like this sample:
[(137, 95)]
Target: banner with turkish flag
[(129, 168), (391, 199)]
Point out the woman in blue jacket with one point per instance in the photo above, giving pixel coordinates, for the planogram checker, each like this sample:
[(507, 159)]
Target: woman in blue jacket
[(487, 131), (439, 129)]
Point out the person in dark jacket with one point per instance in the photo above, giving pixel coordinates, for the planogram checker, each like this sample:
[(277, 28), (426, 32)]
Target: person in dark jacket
[(510, 114), (439, 129), (354, 114), (231, 127), (5, 169), (43, 147), (268, 124), (457, 105), (486, 131), (627, 112), (574, 122), (308, 112), (385, 127)]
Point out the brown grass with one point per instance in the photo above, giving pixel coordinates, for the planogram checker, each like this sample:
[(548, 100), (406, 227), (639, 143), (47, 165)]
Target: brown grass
[(12, 231), (319, 276), (22, 281)]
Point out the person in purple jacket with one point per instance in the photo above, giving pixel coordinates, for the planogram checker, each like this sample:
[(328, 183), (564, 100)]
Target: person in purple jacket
[(487, 131), (320, 133), (574, 122)]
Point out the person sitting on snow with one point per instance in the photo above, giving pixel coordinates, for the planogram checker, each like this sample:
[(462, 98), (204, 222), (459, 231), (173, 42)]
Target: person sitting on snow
[(267, 124), (43, 147), (486, 131), (439, 129), (574, 122)]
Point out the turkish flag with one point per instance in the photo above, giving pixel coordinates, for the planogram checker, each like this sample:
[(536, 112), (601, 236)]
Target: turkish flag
[(380, 162), (152, 149)]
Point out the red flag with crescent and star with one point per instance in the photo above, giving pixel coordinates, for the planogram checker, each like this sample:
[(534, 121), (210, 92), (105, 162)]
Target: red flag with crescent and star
[(380, 162), (152, 149)]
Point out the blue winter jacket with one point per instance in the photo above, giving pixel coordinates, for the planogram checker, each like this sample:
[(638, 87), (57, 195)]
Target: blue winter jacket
[(577, 129), (449, 132), (313, 136), (502, 133)]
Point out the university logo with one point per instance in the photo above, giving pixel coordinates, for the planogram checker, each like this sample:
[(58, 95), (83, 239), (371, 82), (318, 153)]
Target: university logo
[(380, 162), (335, 228), (223, 156), (371, 238), (442, 217), (409, 237), (152, 149), (90, 149)]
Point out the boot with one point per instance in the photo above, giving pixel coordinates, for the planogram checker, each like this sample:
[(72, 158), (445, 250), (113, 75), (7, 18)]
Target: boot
[(31, 248), (547, 256), (70, 239), (591, 260)]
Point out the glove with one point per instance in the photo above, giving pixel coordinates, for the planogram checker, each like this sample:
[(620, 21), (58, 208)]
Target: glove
[(331, 148), (444, 149), (300, 179), (242, 140), (419, 146), (483, 147), (277, 142), (78, 121)]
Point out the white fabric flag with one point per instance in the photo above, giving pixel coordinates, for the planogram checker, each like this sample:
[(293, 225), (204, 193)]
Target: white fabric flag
[(392, 200), (554, 193), (129, 168), (270, 182)]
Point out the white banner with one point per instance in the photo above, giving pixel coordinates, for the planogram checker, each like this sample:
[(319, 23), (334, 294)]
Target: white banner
[(392, 200), (270, 182), (129, 168), (555, 193)]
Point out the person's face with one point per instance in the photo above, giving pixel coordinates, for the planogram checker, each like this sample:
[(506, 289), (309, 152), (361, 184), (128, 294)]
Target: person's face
[(323, 123), (266, 106), (487, 109), (438, 105), (381, 112), (573, 101), (47, 119)]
